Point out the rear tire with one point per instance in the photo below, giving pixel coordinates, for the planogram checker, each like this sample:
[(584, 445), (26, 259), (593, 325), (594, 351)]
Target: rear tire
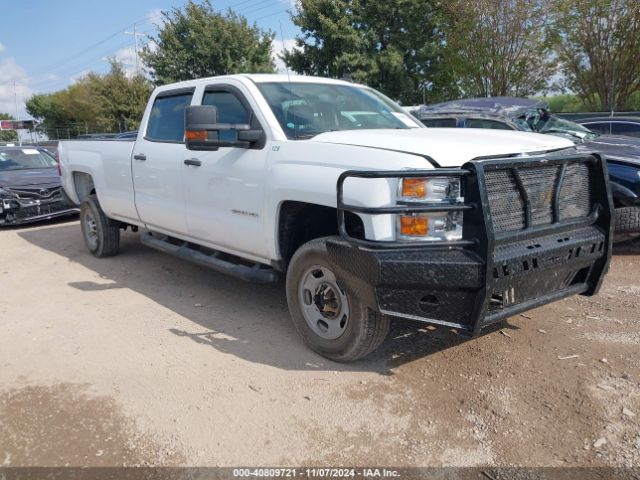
[(331, 320), (626, 224), (101, 234)]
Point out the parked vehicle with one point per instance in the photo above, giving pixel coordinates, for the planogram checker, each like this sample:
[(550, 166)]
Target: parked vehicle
[(30, 187), (96, 136), (507, 113), (131, 135), (455, 228), (627, 126)]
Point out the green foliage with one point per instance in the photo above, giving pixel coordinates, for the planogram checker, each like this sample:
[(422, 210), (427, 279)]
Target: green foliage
[(394, 46), (567, 103), (7, 135), (499, 47), (195, 41), (97, 103), (598, 43)]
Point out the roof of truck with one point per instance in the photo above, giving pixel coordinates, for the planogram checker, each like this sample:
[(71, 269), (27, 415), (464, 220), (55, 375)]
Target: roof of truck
[(256, 78)]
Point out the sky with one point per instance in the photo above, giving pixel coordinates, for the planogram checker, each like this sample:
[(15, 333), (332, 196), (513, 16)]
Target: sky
[(46, 45)]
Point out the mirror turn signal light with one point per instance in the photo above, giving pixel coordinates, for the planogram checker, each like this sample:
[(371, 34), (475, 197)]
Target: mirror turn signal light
[(414, 226), (196, 135), (414, 187)]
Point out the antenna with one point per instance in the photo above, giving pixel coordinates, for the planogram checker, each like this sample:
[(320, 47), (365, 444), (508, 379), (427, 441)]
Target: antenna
[(295, 131)]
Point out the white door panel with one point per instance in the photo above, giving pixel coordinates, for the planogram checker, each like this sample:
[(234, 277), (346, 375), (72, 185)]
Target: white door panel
[(224, 198), (159, 195)]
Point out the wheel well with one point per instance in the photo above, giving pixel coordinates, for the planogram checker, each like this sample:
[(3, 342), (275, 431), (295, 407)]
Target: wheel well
[(83, 183), (300, 222)]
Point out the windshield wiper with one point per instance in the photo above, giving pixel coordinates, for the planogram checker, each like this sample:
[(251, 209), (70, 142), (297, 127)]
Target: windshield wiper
[(305, 136)]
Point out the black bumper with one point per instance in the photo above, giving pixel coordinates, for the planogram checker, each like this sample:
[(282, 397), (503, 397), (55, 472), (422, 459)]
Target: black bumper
[(22, 211), (489, 275)]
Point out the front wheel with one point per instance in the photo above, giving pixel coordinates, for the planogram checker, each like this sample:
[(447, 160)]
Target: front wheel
[(331, 320), (101, 234)]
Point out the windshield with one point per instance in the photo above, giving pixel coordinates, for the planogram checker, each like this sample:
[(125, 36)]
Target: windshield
[(308, 109), (542, 121), (24, 158)]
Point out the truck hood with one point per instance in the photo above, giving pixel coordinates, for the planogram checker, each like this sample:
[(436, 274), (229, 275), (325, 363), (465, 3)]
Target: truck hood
[(449, 147)]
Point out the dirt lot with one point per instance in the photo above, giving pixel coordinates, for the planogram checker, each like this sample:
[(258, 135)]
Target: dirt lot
[(143, 359)]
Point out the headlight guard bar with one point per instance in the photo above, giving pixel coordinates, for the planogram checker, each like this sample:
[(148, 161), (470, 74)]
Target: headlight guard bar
[(405, 208)]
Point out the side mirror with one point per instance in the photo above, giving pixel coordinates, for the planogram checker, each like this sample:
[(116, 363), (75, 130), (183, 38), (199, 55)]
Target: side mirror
[(203, 132)]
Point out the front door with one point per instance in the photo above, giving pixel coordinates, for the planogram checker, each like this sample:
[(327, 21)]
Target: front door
[(225, 188)]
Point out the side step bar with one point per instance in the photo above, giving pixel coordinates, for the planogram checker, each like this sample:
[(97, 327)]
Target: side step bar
[(254, 274)]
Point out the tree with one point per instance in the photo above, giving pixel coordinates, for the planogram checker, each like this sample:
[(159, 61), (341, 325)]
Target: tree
[(111, 102), (121, 99), (394, 46), (499, 47), (196, 41), (598, 43), (7, 135)]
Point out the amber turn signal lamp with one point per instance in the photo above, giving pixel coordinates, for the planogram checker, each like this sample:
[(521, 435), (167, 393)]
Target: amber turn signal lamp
[(196, 135), (414, 226), (414, 187)]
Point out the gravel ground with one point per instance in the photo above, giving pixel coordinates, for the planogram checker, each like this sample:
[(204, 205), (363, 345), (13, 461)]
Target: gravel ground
[(143, 359)]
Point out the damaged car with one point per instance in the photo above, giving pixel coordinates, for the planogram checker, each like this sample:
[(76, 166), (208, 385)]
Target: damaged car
[(530, 115), (30, 187)]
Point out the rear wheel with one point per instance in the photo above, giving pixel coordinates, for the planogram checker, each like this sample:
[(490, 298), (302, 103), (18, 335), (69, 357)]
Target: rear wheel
[(331, 320), (100, 233), (626, 224)]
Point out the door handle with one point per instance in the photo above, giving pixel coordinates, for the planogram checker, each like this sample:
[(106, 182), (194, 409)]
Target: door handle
[(140, 156), (193, 162)]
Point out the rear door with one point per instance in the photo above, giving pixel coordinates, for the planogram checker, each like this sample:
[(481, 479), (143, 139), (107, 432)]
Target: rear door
[(158, 161), (225, 191)]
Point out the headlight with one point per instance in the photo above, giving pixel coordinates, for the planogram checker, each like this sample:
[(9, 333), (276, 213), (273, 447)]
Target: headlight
[(437, 226)]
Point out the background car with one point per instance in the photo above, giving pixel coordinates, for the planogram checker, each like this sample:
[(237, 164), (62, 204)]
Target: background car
[(30, 187), (629, 126), (131, 135), (509, 113)]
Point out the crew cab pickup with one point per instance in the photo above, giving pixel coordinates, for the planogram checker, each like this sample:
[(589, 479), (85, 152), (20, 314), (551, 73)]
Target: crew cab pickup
[(366, 214)]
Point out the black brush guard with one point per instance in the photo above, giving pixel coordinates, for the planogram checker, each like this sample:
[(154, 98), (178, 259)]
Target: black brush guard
[(491, 273)]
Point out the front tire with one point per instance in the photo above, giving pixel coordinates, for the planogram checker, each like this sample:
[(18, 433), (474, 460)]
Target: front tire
[(331, 320), (101, 234)]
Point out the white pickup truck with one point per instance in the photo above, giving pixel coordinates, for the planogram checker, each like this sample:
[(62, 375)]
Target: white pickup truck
[(367, 214)]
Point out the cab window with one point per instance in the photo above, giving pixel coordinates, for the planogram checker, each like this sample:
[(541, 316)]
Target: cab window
[(166, 122), (230, 108)]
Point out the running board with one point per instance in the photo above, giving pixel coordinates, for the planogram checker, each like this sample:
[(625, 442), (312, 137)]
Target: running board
[(255, 274)]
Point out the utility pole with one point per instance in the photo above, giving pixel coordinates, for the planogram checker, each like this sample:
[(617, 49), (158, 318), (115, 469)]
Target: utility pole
[(135, 41), (15, 99)]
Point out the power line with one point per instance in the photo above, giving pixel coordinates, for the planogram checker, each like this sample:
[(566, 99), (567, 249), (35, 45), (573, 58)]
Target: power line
[(97, 44), (272, 14)]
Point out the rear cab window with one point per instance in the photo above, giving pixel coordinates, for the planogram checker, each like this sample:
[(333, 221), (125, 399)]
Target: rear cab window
[(166, 121)]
